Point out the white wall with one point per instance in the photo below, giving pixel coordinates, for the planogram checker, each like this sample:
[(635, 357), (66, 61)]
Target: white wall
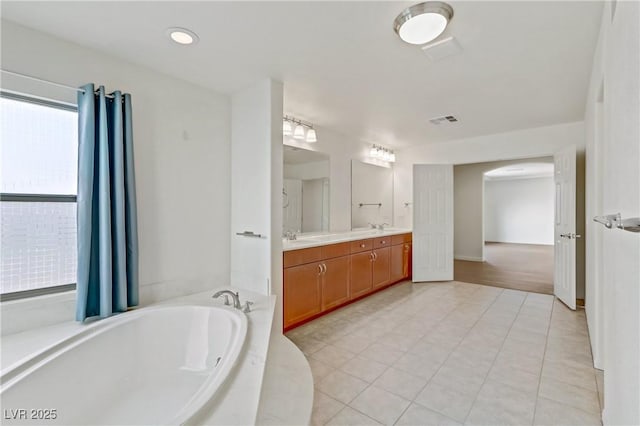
[(519, 210), (612, 122), (182, 145), (256, 188)]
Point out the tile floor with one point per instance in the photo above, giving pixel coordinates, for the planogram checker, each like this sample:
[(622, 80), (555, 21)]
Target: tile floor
[(452, 353)]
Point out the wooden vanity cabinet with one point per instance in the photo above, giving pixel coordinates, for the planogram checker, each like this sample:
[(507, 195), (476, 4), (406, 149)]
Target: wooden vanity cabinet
[(319, 279), (381, 267), (335, 282), (361, 274), (400, 262), (302, 292)]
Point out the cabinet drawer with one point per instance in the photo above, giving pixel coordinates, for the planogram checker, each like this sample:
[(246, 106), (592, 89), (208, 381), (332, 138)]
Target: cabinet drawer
[(361, 245), (302, 256), (335, 250), (400, 239), (382, 242)]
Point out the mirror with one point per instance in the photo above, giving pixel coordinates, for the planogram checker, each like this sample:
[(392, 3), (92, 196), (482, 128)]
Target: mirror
[(371, 195), (305, 191)]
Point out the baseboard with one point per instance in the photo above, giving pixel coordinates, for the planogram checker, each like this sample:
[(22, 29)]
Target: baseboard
[(513, 242), (469, 258)]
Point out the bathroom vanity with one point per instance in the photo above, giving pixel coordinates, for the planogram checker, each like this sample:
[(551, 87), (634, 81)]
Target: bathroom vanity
[(322, 273)]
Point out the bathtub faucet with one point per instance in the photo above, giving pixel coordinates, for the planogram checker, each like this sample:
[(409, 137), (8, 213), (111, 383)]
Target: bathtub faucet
[(234, 296)]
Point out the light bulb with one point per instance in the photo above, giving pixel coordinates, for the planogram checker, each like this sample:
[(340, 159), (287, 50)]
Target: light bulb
[(392, 157), (182, 36), (311, 136), (286, 128), (298, 133), (373, 152), (423, 28)]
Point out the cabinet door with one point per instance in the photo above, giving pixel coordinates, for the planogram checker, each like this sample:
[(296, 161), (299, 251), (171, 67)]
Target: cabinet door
[(398, 259), (360, 274), (301, 292), (335, 282), (407, 260), (381, 267)]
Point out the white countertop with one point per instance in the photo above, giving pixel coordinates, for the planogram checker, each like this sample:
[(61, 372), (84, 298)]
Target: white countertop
[(287, 389), (317, 240)]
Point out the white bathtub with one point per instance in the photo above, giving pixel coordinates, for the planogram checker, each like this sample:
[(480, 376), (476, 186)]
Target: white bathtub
[(156, 365)]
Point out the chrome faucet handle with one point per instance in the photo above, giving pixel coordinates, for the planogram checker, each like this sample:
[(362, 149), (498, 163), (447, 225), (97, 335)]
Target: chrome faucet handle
[(234, 296), (247, 307)]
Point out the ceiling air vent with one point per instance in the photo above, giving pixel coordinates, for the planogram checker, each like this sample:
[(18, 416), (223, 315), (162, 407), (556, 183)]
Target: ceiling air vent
[(442, 49), (444, 119)]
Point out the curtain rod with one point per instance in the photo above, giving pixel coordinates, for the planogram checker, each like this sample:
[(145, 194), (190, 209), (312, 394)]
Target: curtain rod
[(53, 83)]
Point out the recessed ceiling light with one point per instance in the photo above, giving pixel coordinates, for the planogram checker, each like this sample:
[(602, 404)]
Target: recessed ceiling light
[(182, 35), (423, 22)]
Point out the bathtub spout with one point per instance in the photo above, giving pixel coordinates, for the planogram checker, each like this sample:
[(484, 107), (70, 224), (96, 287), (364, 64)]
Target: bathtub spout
[(234, 296)]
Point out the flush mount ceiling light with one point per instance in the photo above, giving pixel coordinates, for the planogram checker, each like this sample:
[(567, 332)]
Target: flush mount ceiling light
[(302, 130), (423, 22), (182, 35)]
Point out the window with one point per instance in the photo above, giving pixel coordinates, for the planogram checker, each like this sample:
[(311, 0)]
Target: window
[(38, 161)]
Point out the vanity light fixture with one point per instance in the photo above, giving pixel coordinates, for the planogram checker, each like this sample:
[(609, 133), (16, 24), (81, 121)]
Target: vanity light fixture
[(300, 130), (182, 35), (298, 133), (423, 22), (311, 136), (379, 152), (286, 127)]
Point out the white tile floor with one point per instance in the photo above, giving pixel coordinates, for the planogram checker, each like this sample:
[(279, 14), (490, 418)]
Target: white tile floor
[(452, 353)]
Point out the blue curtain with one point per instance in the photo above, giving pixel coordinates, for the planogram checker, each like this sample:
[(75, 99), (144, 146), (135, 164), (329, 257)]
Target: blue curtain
[(107, 226)]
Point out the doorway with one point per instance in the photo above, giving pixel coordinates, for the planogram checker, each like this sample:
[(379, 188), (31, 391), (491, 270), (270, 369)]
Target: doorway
[(515, 245)]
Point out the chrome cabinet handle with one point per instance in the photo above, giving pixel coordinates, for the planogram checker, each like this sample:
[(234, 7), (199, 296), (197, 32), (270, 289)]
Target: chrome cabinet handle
[(324, 268), (319, 269), (371, 256), (383, 242), (363, 245)]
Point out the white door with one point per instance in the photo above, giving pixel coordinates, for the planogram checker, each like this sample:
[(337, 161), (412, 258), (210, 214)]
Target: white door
[(432, 222), (564, 277), (621, 194)]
